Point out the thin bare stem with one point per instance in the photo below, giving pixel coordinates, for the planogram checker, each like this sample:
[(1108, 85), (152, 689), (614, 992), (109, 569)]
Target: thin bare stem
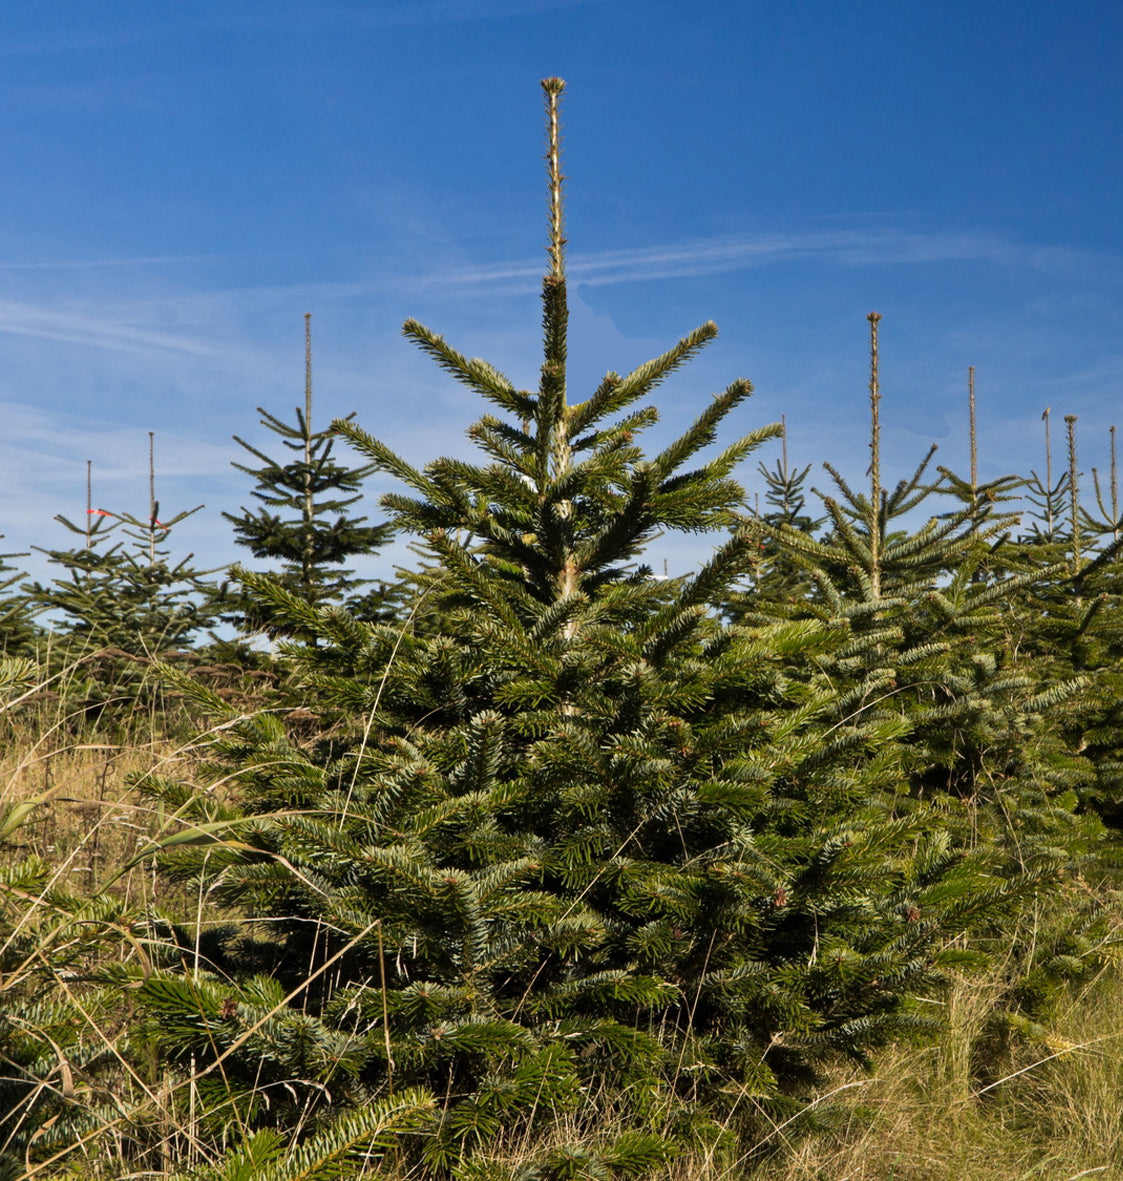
[(307, 558), (555, 411), (783, 459), (385, 1011), (1048, 474), (553, 88), (1114, 491), (875, 460), (1073, 492), (153, 507)]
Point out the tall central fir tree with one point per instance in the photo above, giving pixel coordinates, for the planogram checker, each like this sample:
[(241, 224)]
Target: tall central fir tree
[(586, 863)]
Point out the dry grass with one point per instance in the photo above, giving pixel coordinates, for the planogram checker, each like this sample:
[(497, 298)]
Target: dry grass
[(86, 821), (66, 799), (74, 778), (974, 1107)]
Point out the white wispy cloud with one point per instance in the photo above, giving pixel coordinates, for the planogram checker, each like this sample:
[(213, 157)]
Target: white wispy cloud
[(86, 328), (142, 325), (733, 253), (107, 313)]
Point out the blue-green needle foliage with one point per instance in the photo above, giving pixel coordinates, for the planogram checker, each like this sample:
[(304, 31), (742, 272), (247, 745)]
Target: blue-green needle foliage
[(567, 845), (945, 619)]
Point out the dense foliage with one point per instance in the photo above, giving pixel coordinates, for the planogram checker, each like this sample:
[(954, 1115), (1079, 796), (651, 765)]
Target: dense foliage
[(560, 869)]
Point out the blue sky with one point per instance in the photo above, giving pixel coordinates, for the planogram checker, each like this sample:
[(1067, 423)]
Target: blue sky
[(183, 181)]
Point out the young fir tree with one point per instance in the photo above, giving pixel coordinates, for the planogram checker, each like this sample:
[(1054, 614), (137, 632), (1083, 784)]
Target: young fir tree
[(1100, 650), (785, 496), (18, 630), (128, 595), (1047, 497), (302, 520), (1108, 522), (773, 575), (991, 733), (587, 840), (937, 613), (1070, 626)]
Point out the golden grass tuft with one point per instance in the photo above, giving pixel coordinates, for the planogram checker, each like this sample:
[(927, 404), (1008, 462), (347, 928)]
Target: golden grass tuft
[(974, 1108)]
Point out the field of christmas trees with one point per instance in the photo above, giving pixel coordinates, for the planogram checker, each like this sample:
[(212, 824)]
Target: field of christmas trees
[(529, 864)]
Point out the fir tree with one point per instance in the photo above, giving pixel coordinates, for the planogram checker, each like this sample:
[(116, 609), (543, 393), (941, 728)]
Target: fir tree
[(18, 630), (302, 520), (1047, 496), (126, 596), (773, 574), (1109, 520), (1069, 628), (937, 616), (587, 838)]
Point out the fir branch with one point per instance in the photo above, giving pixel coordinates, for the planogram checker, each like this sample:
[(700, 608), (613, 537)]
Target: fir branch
[(477, 374)]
